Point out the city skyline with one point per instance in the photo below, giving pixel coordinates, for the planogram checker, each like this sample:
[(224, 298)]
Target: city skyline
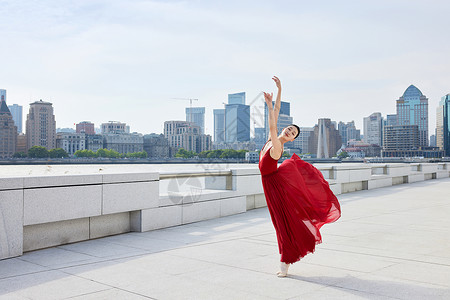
[(125, 61)]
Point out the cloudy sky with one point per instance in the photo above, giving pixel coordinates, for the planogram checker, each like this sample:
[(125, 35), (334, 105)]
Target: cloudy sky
[(125, 60)]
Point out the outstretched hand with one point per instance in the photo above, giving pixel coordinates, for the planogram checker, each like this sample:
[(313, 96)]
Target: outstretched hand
[(268, 98), (277, 82)]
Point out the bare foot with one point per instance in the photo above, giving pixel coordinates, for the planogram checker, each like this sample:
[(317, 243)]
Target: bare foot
[(283, 270)]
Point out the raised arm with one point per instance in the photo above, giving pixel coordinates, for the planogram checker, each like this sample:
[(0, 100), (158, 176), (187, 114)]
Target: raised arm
[(278, 100), (276, 150)]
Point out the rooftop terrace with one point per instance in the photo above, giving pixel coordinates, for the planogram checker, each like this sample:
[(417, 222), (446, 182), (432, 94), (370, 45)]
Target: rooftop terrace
[(390, 243)]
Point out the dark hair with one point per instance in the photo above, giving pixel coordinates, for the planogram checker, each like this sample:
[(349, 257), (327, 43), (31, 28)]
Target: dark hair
[(298, 130)]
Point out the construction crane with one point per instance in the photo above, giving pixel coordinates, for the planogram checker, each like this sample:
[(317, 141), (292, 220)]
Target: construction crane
[(190, 105)]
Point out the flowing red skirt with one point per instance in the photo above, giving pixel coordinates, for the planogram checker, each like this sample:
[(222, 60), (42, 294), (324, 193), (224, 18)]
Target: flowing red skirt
[(300, 202)]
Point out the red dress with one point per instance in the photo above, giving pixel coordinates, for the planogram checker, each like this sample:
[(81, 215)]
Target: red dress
[(300, 202)]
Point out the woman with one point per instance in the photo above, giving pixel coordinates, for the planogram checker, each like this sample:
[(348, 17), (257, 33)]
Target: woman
[(298, 197)]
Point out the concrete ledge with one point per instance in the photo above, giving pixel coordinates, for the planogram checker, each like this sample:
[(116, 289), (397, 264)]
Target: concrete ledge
[(129, 177), (11, 223), (11, 183), (61, 203), (200, 211), (105, 225), (54, 234), (379, 181), (161, 217), (260, 201), (232, 206), (117, 197), (58, 181)]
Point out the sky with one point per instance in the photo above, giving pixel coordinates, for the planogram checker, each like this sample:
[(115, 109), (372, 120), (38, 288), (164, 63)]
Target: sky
[(122, 60)]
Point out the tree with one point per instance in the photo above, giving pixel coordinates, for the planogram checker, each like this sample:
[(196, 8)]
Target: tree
[(20, 155), (343, 154), (183, 153), (102, 152), (38, 152), (58, 153)]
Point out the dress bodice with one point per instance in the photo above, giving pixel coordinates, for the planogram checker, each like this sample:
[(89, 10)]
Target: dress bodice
[(267, 164)]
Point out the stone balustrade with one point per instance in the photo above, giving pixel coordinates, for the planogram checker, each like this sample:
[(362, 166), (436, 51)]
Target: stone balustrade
[(46, 211)]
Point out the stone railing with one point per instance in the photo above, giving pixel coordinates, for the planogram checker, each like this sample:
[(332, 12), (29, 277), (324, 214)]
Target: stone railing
[(46, 211)]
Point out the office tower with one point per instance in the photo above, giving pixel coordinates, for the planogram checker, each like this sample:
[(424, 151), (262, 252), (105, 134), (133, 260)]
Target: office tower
[(373, 129), (284, 119), (348, 132), (443, 125), (302, 141), (325, 140), (114, 127), (17, 113), (196, 115), (85, 127), (41, 125), (401, 137), (8, 129), (237, 123), (237, 119), (433, 140), (238, 98), (260, 137), (412, 109), (390, 120), (219, 125)]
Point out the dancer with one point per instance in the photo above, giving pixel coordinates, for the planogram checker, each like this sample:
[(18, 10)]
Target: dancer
[(299, 199)]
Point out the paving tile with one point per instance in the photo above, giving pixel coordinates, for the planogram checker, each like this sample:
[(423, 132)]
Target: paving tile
[(49, 285), (15, 266)]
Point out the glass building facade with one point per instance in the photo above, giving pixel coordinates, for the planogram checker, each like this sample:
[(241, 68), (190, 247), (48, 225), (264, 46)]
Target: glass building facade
[(219, 125), (17, 114), (412, 109), (443, 125), (196, 115), (238, 98), (237, 123)]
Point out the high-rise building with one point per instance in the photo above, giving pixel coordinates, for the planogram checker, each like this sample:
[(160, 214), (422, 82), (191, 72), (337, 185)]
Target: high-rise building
[(443, 125), (325, 140), (85, 127), (41, 125), (348, 132), (219, 125), (238, 98), (390, 120), (284, 119), (373, 129), (260, 137), (412, 109), (302, 141), (196, 115), (237, 119), (17, 113), (8, 130)]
